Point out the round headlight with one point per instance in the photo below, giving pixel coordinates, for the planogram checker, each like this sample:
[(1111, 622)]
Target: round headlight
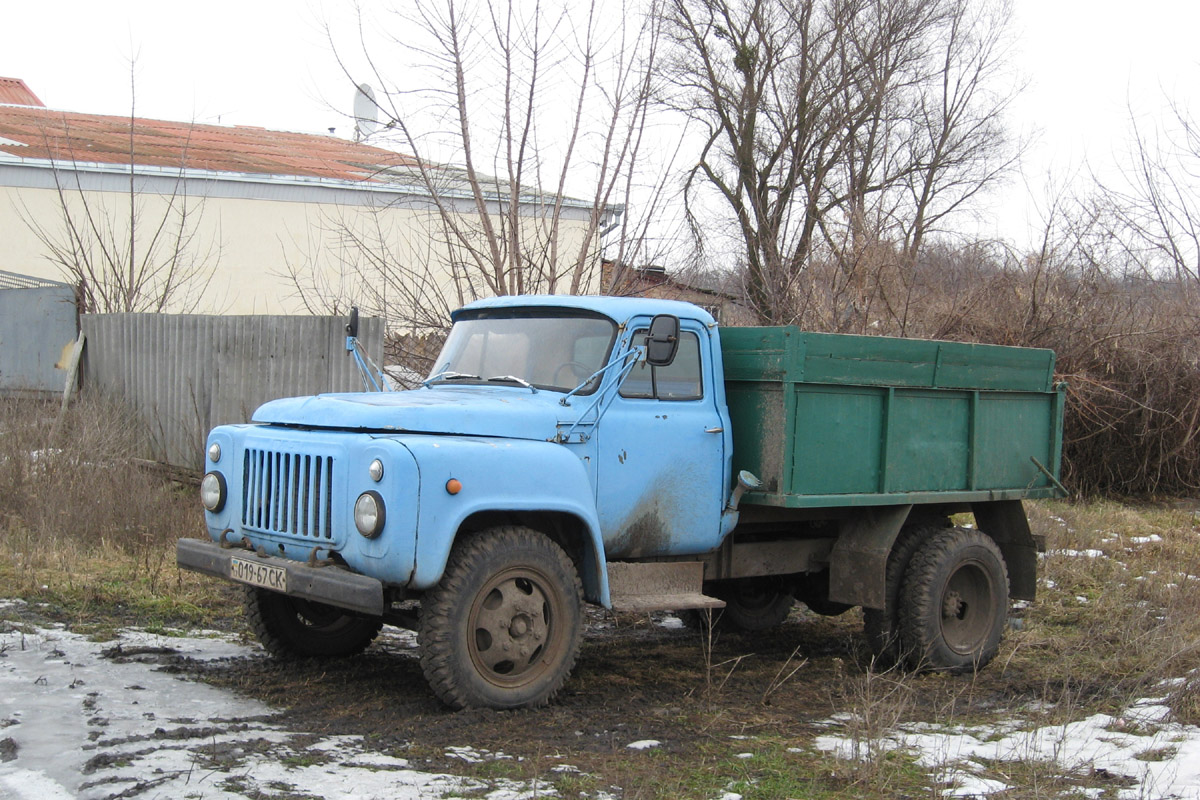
[(376, 470), (212, 491), (214, 452), (369, 514)]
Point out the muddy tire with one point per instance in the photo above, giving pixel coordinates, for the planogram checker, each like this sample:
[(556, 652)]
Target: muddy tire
[(502, 628), (954, 602), (813, 590), (882, 626), (294, 627), (825, 607), (752, 605)]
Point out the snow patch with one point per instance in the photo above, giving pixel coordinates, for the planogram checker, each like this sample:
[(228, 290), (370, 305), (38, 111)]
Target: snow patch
[(86, 726), (1099, 742), (643, 744)]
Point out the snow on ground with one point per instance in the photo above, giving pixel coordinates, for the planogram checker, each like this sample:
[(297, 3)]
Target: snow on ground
[(1140, 749), (77, 724)]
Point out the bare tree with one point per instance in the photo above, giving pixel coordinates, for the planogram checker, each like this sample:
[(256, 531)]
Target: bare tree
[(1155, 203), (543, 110), (142, 252), (834, 126)]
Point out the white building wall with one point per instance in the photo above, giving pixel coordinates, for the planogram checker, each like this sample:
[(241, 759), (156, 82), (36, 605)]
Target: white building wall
[(248, 249)]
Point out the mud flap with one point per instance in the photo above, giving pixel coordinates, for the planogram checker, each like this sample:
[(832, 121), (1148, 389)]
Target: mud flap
[(1006, 523), (858, 562)]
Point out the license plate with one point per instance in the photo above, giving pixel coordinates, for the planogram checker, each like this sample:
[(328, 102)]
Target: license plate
[(258, 574)]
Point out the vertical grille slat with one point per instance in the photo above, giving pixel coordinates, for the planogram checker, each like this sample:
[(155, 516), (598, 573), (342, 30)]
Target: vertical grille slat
[(295, 491), (288, 493), (261, 500), (328, 494), (307, 503), (320, 498)]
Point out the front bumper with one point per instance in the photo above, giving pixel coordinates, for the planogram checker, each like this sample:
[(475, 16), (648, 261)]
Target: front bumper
[(333, 585)]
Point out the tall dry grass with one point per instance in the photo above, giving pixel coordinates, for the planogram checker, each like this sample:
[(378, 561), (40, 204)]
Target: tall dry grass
[(82, 523)]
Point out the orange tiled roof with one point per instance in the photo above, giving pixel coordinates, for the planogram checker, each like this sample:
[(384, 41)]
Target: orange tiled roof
[(86, 138), (14, 90)]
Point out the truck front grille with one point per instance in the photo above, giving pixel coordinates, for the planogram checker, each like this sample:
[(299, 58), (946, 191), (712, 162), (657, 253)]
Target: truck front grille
[(287, 493)]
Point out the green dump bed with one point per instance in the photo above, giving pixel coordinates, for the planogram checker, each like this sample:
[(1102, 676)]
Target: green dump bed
[(837, 420)]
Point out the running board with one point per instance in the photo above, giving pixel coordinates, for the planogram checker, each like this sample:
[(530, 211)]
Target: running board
[(658, 586)]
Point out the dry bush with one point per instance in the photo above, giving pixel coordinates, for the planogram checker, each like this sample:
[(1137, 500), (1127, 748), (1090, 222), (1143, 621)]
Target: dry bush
[(72, 483)]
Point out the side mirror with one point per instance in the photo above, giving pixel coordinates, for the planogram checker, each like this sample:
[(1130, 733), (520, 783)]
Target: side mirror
[(663, 340), (352, 325)]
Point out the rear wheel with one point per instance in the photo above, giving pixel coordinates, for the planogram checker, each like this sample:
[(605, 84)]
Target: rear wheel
[(812, 589), (954, 602), (502, 628), (292, 626), (752, 605)]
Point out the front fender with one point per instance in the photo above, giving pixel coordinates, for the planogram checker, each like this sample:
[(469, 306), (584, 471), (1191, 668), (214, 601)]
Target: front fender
[(499, 475)]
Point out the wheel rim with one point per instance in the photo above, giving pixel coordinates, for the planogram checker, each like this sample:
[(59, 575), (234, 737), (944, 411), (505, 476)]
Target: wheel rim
[(513, 631), (967, 608)]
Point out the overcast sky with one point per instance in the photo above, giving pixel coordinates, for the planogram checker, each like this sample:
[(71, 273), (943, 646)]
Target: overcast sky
[(268, 63)]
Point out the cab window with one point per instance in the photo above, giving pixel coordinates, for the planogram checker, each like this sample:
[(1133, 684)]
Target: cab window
[(679, 381)]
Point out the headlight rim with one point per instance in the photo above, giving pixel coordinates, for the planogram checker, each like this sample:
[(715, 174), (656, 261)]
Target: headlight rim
[(380, 514), (222, 492)]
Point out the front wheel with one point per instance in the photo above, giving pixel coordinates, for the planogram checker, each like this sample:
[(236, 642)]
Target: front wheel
[(292, 626), (502, 628), (954, 602)]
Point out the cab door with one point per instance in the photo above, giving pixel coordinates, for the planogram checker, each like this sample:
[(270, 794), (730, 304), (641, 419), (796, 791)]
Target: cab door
[(662, 447)]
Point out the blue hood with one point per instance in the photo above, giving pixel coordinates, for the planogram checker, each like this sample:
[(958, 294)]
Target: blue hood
[(464, 411)]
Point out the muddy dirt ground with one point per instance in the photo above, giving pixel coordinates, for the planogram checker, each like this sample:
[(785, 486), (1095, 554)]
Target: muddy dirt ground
[(702, 703), (638, 679)]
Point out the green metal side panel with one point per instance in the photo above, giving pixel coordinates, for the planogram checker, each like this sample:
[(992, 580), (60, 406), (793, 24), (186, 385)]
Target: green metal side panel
[(792, 355), (846, 421), (831, 420)]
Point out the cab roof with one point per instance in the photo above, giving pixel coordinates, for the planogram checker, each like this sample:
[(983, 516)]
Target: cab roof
[(619, 309)]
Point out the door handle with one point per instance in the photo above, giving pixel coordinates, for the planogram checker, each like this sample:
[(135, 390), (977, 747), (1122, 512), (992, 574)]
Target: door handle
[(714, 430)]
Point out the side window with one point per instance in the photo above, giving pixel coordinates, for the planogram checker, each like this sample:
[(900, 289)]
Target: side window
[(679, 381)]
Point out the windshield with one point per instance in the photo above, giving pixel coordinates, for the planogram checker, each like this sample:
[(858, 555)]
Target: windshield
[(546, 348)]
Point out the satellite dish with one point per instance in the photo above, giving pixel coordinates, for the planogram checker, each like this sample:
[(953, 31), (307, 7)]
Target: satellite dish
[(366, 112)]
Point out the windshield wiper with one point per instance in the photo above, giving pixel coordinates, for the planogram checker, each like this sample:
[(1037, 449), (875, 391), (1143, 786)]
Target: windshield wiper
[(448, 375), (513, 379)]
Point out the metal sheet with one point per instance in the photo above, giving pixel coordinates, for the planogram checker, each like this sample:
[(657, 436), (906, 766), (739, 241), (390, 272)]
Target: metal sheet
[(37, 325)]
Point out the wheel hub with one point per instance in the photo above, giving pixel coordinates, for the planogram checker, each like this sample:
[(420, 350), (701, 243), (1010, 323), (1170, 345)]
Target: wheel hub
[(510, 626), (967, 596), (953, 606)]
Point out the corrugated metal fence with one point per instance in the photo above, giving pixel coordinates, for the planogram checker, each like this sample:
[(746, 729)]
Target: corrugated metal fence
[(37, 323), (184, 374)]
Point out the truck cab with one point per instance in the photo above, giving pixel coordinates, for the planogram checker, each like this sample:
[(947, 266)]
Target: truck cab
[(542, 416)]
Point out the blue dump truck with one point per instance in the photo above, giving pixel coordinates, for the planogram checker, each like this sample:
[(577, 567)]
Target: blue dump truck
[(629, 454)]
